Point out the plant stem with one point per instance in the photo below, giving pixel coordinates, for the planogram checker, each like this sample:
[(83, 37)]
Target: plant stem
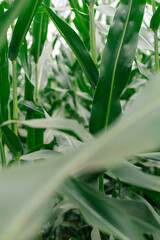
[(37, 90), (2, 150), (92, 34), (155, 40), (9, 115), (93, 47), (15, 104)]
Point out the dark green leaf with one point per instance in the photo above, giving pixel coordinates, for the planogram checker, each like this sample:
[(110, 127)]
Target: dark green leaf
[(21, 28), (116, 63), (11, 140), (4, 77), (155, 20)]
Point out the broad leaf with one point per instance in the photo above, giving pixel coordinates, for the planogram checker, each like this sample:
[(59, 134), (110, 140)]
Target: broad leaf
[(116, 63)]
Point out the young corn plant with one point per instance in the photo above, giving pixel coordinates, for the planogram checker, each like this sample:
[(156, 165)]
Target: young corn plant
[(79, 120)]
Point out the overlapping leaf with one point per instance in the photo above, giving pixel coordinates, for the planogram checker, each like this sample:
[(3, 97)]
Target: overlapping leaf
[(21, 28), (77, 47), (29, 187), (106, 213)]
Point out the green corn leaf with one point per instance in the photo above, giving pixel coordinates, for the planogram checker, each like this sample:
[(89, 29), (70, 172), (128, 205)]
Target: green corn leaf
[(31, 186), (8, 17), (12, 141), (40, 29), (116, 63), (21, 28), (4, 77), (29, 90), (106, 213), (155, 20), (77, 47)]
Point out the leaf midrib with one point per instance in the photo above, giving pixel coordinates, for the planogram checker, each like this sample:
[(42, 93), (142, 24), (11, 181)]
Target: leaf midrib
[(116, 63)]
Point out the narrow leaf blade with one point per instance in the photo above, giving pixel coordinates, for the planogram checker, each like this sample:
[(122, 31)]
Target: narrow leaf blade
[(77, 47)]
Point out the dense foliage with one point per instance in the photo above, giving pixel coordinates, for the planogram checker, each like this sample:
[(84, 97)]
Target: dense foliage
[(79, 120)]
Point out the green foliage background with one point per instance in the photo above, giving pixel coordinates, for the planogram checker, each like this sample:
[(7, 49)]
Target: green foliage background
[(79, 120)]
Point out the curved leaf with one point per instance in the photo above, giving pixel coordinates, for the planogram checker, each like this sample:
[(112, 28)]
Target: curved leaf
[(61, 124), (21, 28), (77, 47), (116, 63), (12, 141), (106, 213)]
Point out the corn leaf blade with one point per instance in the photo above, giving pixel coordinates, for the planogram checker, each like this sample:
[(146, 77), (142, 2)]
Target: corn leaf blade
[(155, 20), (21, 28), (116, 63)]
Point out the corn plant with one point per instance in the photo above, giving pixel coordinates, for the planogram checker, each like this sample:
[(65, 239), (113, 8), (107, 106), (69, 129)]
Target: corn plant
[(79, 120)]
